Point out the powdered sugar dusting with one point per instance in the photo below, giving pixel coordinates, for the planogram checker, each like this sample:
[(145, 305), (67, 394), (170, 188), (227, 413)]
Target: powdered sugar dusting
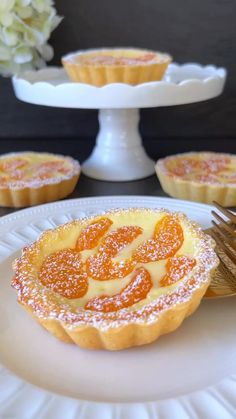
[(202, 167), (115, 56), (33, 170), (47, 304), (134, 292)]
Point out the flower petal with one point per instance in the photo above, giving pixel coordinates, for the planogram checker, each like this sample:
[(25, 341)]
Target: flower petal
[(5, 53), (6, 19), (9, 37), (23, 55), (6, 5), (23, 3), (46, 51), (25, 27)]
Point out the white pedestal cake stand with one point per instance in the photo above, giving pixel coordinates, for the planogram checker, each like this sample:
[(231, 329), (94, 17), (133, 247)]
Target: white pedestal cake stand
[(118, 154)]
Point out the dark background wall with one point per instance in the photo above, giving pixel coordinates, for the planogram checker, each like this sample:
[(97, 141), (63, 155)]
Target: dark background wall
[(190, 30)]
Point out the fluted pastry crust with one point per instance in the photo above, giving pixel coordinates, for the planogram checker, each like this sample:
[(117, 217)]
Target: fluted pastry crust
[(104, 66), (161, 311), (214, 180), (30, 178)]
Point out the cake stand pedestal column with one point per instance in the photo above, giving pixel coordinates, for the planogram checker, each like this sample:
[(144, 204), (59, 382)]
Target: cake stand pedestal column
[(118, 153)]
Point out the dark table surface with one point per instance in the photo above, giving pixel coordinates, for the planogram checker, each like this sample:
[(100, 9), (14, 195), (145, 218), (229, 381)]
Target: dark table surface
[(90, 187)]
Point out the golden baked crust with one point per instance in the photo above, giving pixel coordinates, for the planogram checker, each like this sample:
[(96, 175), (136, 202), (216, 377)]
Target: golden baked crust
[(30, 178), (173, 264), (118, 65), (199, 176)]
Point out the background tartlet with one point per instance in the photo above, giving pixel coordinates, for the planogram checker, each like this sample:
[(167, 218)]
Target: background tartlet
[(29, 178), (199, 176), (115, 65)]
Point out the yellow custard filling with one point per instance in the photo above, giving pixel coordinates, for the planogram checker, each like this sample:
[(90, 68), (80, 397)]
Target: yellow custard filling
[(119, 57), (203, 167), (103, 66), (163, 247), (24, 169)]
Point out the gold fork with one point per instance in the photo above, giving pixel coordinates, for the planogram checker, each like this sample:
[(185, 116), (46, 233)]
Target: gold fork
[(224, 233)]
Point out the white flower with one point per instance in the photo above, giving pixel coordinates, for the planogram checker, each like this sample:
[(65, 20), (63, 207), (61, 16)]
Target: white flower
[(25, 28)]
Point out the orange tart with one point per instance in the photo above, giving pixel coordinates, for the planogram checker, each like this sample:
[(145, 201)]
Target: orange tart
[(120, 65), (202, 176), (116, 280), (29, 178)]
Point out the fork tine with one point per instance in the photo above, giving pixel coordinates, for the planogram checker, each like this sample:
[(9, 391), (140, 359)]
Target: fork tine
[(222, 233), (224, 281), (230, 275), (221, 244), (224, 223), (228, 213)]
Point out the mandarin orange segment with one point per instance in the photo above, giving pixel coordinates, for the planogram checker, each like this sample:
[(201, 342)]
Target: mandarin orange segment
[(92, 234), (13, 164), (64, 170), (116, 240), (62, 272), (167, 239), (147, 57), (137, 290), (101, 266), (185, 167), (45, 170), (176, 268), (3, 180), (213, 165), (51, 165)]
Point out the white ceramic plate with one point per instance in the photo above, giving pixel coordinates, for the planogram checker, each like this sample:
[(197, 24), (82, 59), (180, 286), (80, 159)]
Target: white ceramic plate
[(190, 373), (186, 83)]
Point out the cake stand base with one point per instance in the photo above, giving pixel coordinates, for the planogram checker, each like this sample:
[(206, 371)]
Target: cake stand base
[(118, 154)]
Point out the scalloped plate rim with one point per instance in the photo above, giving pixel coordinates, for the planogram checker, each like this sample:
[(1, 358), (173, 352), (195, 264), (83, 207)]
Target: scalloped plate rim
[(149, 407), (52, 90), (220, 73)]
